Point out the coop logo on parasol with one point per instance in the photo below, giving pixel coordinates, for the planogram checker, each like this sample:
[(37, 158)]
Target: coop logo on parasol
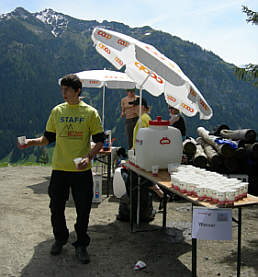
[(118, 61), (104, 34), (189, 109), (204, 105), (171, 98), (93, 82), (192, 92), (105, 48), (123, 42), (147, 71)]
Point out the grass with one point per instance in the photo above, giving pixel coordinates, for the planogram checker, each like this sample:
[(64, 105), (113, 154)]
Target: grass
[(6, 164)]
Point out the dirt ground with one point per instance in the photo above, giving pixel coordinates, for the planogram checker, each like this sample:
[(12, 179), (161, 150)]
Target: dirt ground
[(26, 237)]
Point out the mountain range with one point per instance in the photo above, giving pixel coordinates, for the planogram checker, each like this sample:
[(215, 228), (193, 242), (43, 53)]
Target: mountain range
[(38, 48)]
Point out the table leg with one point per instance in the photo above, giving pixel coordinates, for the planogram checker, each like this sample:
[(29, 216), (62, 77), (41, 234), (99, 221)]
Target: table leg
[(194, 257), (164, 211), (131, 199), (138, 200), (194, 253), (108, 174), (239, 241)]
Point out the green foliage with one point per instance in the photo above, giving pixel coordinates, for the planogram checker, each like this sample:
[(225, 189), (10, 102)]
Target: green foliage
[(249, 72), (251, 15)]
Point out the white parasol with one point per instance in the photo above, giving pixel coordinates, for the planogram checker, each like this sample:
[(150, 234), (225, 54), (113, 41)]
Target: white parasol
[(105, 78), (152, 71)]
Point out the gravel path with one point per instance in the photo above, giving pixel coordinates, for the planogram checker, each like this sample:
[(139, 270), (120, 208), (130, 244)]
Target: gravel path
[(26, 237)]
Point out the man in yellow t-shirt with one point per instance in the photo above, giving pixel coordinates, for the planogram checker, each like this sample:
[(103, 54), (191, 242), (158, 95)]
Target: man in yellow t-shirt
[(70, 125)]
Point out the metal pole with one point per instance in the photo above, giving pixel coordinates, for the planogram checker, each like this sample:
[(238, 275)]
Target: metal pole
[(108, 173), (103, 104), (164, 210), (194, 253), (131, 199), (140, 107), (239, 241), (138, 200)]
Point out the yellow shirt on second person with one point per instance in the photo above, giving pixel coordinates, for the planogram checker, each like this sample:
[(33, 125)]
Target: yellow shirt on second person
[(145, 124)]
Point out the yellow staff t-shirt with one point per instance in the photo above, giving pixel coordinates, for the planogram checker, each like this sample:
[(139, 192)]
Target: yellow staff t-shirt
[(73, 125), (144, 124)]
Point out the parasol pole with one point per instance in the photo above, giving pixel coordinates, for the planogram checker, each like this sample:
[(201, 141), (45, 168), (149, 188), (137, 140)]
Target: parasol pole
[(140, 107), (103, 104), (140, 125)]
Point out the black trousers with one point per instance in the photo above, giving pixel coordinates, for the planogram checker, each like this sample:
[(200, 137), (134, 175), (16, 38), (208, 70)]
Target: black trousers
[(129, 127), (81, 184)]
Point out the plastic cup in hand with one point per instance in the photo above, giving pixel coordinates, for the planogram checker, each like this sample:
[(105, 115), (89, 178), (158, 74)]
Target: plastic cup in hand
[(21, 140), (155, 170), (77, 161)]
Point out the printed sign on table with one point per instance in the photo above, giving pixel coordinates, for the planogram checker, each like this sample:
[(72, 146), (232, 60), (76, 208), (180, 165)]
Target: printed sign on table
[(212, 224)]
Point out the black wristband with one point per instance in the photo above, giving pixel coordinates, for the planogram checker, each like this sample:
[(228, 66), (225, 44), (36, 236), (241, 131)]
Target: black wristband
[(51, 137), (100, 137)]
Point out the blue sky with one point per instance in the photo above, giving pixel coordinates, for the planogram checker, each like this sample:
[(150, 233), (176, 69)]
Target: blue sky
[(216, 25)]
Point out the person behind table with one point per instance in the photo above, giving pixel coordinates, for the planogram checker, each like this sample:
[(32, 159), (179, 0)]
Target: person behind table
[(131, 115), (176, 120), (145, 119), (70, 125)]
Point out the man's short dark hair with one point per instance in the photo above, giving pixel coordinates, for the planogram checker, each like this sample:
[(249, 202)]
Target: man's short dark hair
[(73, 81), (131, 89)]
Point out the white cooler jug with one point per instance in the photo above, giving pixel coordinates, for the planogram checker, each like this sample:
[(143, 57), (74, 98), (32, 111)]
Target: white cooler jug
[(159, 144)]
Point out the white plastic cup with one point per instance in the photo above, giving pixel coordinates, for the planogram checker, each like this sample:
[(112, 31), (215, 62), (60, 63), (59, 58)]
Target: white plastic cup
[(214, 193), (201, 193), (230, 194), (191, 188), (139, 265), (21, 140), (245, 188), (174, 181), (221, 197), (238, 189), (130, 155), (183, 186), (172, 168), (209, 193), (155, 170), (77, 161)]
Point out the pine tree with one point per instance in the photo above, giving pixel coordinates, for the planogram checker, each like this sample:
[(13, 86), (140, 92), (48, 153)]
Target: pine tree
[(249, 72)]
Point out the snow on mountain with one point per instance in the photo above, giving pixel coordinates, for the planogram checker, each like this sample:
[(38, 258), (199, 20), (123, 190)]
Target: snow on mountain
[(57, 21)]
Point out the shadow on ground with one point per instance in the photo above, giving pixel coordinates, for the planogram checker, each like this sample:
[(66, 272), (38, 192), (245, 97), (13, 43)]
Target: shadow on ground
[(42, 188), (248, 256), (114, 252)]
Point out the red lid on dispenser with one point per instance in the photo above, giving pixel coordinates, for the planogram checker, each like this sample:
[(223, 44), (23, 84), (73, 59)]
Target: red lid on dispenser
[(159, 122)]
